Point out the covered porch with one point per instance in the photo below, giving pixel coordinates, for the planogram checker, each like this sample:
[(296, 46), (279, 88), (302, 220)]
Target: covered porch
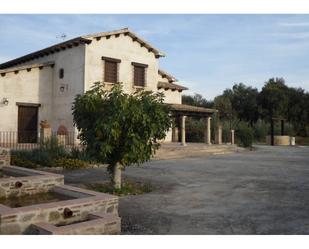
[(180, 112)]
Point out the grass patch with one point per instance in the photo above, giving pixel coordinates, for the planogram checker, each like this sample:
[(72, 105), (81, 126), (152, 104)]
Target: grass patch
[(128, 188)]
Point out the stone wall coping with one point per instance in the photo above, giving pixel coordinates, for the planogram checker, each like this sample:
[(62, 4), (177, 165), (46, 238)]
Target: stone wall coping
[(95, 219), (33, 175), (35, 172)]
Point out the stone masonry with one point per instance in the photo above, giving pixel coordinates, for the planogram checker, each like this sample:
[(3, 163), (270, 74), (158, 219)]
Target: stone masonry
[(27, 181), (19, 220), (5, 157)]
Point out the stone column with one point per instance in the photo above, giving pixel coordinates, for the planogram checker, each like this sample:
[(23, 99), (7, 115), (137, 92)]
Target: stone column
[(207, 134), (218, 135), (45, 131), (232, 137), (175, 134), (183, 130)]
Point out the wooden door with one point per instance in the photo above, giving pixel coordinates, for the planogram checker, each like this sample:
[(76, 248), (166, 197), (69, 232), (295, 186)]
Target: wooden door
[(27, 124)]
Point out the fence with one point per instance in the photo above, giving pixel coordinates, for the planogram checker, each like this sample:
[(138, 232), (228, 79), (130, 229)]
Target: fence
[(31, 140)]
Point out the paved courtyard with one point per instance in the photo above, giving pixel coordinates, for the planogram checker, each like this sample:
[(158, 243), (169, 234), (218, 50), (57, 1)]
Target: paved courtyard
[(259, 192)]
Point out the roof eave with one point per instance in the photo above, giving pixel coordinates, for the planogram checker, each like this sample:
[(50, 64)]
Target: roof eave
[(46, 51)]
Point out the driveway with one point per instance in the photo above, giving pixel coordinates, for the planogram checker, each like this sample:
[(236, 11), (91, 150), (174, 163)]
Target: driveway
[(260, 192)]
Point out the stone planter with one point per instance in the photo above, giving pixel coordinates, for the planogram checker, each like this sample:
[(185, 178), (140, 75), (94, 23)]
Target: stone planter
[(82, 203), (95, 224), (17, 181)]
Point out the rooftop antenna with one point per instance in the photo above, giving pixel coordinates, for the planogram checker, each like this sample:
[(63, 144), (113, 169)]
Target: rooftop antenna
[(63, 36)]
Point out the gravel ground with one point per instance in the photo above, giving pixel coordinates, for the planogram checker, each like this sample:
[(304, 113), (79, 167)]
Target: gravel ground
[(258, 192)]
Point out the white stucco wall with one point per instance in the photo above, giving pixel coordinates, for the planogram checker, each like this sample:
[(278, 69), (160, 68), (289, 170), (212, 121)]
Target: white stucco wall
[(28, 87), (171, 97), (83, 65), (73, 63), (128, 51)]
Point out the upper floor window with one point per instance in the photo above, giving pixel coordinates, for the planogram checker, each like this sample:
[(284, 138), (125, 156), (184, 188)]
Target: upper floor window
[(139, 74), (111, 69), (61, 73)]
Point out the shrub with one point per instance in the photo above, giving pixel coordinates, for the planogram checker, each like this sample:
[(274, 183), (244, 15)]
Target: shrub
[(127, 188), (244, 136), (22, 162), (69, 163), (44, 156), (80, 154)]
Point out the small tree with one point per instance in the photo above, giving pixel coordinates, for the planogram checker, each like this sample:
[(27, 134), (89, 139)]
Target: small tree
[(118, 128)]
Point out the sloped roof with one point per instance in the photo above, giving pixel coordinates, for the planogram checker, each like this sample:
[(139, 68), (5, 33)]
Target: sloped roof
[(26, 67), (46, 51), (130, 33), (191, 109), (87, 39), (172, 86), (166, 75)]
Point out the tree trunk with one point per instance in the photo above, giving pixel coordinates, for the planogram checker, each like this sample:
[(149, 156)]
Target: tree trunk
[(117, 176)]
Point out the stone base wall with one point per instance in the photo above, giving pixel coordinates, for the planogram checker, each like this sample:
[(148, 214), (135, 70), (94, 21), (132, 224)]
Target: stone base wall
[(19, 220), (97, 224), (30, 182), (5, 157), (279, 140)]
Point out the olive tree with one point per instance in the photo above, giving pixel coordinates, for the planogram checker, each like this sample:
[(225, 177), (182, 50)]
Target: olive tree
[(120, 129)]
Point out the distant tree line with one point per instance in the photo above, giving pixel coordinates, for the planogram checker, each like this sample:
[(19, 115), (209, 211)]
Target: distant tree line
[(246, 106)]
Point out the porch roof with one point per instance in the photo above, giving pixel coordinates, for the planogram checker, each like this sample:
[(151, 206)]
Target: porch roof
[(172, 86), (190, 110)]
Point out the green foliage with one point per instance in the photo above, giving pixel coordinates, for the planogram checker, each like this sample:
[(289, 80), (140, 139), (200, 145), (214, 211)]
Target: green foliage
[(18, 160), (69, 163), (81, 154), (197, 100), (223, 103), (298, 110), (50, 154), (244, 103), (260, 131), (120, 128), (127, 188), (43, 156), (273, 99), (244, 135)]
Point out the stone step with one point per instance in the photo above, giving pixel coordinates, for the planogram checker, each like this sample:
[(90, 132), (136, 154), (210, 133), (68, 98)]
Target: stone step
[(169, 151)]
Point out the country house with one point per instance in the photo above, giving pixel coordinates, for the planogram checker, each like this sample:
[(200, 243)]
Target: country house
[(42, 85)]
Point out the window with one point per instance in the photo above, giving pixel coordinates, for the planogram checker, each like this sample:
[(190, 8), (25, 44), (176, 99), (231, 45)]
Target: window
[(61, 73), (110, 69), (139, 74)]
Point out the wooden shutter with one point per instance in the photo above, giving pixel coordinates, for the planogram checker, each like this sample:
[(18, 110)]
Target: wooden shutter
[(139, 76), (110, 71), (27, 124)]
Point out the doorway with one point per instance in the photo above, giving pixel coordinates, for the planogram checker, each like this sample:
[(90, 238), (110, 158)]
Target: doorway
[(27, 124)]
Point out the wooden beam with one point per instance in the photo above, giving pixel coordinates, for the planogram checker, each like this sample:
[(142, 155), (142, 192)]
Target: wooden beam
[(27, 104), (98, 38)]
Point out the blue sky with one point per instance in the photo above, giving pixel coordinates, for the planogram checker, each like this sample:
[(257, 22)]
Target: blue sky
[(207, 53)]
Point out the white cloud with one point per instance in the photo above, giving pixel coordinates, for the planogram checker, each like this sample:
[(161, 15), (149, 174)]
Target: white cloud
[(293, 35), (294, 24)]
